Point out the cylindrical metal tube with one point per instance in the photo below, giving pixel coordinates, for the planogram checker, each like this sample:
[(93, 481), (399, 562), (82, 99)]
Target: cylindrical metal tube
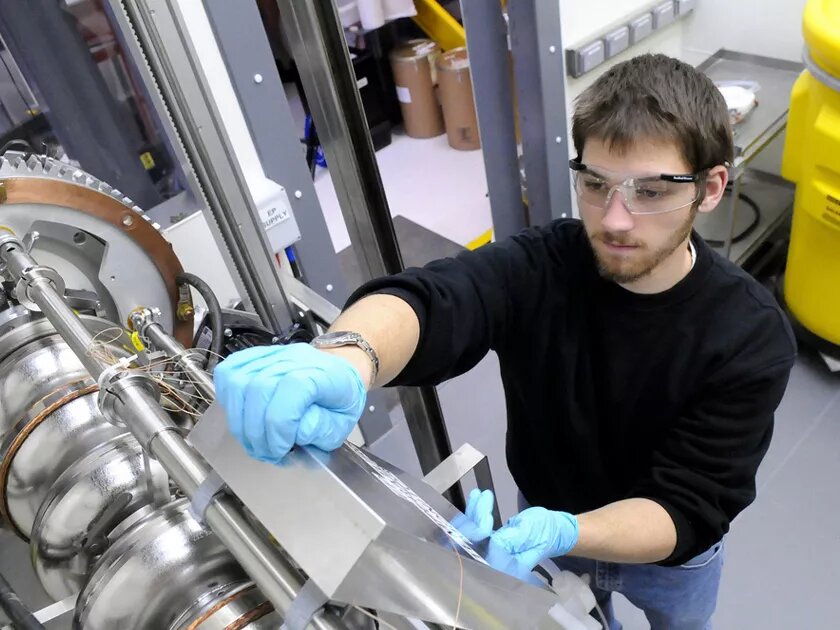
[(276, 578), (137, 406), (173, 349), (52, 304)]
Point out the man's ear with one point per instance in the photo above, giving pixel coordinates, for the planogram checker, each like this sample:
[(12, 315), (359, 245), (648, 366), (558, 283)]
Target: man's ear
[(715, 187)]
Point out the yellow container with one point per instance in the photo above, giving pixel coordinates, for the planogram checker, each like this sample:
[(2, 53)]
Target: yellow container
[(812, 160)]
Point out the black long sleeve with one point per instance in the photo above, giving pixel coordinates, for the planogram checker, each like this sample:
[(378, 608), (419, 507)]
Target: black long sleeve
[(611, 394)]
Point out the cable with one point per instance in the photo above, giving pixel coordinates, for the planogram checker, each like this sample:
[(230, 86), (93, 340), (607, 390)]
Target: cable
[(20, 617), (215, 309), (21, 143), (602, 616), (746, 231)]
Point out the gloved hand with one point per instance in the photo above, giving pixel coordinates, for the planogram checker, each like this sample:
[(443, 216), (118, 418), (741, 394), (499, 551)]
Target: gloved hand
[(279, 396), (476, 523), (530, 537), (536, 534)]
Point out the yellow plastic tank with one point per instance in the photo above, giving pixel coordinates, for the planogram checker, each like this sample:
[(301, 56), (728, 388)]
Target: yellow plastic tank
[(812, 161)]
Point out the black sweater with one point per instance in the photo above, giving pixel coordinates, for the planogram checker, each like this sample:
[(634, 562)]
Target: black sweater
[(611, 394)]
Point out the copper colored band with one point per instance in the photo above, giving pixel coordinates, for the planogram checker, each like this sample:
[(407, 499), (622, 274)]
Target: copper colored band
[(252, 615), (217, 607), (105, 207), (62, 396)]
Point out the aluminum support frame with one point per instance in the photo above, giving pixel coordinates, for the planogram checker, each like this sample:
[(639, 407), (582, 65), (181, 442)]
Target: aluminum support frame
[(538, 60), (254, 75), (317, 40), (455, 467), (493, 90), (160, 26)]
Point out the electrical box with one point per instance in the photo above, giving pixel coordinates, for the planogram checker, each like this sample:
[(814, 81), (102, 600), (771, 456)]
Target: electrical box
[(584, 59), (616, 41), (663, 14), (640, 28), (609, 43), (685, 6)]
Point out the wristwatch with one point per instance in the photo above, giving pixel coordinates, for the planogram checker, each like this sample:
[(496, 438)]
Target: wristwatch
[(344, 338)]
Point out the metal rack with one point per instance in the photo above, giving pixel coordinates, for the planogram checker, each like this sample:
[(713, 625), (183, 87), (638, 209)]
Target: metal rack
[(773, 195)]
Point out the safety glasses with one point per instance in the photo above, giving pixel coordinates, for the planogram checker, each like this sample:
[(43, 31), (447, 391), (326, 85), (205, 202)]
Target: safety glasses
[(655, 194)]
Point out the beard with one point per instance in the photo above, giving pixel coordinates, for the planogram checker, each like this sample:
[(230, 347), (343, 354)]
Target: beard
[(623, 270)]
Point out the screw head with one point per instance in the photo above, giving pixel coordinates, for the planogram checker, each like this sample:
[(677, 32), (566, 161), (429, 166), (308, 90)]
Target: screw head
[(558, 140), (258, 78), (552, 49), (228, 333), (329, 288), (128, 220), (298, 194), (372, 408)]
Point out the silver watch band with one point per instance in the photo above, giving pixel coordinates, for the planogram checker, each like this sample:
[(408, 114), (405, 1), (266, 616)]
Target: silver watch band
[(339, 339)]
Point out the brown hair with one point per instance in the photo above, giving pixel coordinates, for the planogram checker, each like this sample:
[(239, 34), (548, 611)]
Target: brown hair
[(659, 98)]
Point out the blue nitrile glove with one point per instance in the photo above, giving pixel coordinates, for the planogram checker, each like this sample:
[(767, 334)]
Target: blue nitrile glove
[(279, 396), (537, 534), (476, 523)]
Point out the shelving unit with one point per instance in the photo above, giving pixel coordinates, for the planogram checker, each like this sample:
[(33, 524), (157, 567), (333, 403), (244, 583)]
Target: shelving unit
[(773, 195)]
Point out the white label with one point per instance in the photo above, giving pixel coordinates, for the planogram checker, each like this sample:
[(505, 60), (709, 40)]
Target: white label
[(403, 95), (362, 82), (272, 216)]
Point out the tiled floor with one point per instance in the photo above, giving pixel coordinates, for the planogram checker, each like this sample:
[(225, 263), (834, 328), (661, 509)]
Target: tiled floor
[(783, 553), (426, 181)]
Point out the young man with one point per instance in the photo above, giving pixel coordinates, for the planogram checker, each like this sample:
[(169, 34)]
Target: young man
[(641, 369)]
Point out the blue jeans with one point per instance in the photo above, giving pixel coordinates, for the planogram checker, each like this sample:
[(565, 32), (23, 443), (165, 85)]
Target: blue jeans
[(672, 598)]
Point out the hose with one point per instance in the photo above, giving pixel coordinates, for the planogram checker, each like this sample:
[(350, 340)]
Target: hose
[(14, 609), (756, 218), (215, 310)]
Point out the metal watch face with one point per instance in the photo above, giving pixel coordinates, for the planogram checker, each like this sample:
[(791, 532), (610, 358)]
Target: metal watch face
[(335, 339)]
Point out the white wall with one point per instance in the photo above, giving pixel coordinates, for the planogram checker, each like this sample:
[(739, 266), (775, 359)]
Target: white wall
[(772, 28), (582, 20), (763, 27)]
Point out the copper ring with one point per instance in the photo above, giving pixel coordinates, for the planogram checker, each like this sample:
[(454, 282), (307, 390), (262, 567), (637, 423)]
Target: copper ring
[(105, 207), (255, 613), (38, 412), (221, 604)]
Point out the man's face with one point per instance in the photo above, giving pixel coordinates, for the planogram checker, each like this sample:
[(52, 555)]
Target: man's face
[(628, 246)]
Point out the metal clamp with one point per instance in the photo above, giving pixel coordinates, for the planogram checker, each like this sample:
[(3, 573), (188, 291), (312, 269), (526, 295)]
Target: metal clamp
[(212, 485), (141, 318), (109, 373), (31, 276), (309, 600)]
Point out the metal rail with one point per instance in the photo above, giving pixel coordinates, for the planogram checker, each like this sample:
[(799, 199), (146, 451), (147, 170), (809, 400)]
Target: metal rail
[(320, 51)]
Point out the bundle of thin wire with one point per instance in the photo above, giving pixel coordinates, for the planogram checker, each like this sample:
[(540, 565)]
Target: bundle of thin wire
[(162, 371)]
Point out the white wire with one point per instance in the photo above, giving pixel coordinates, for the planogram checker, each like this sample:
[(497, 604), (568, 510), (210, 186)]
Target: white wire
[(602, 616)]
